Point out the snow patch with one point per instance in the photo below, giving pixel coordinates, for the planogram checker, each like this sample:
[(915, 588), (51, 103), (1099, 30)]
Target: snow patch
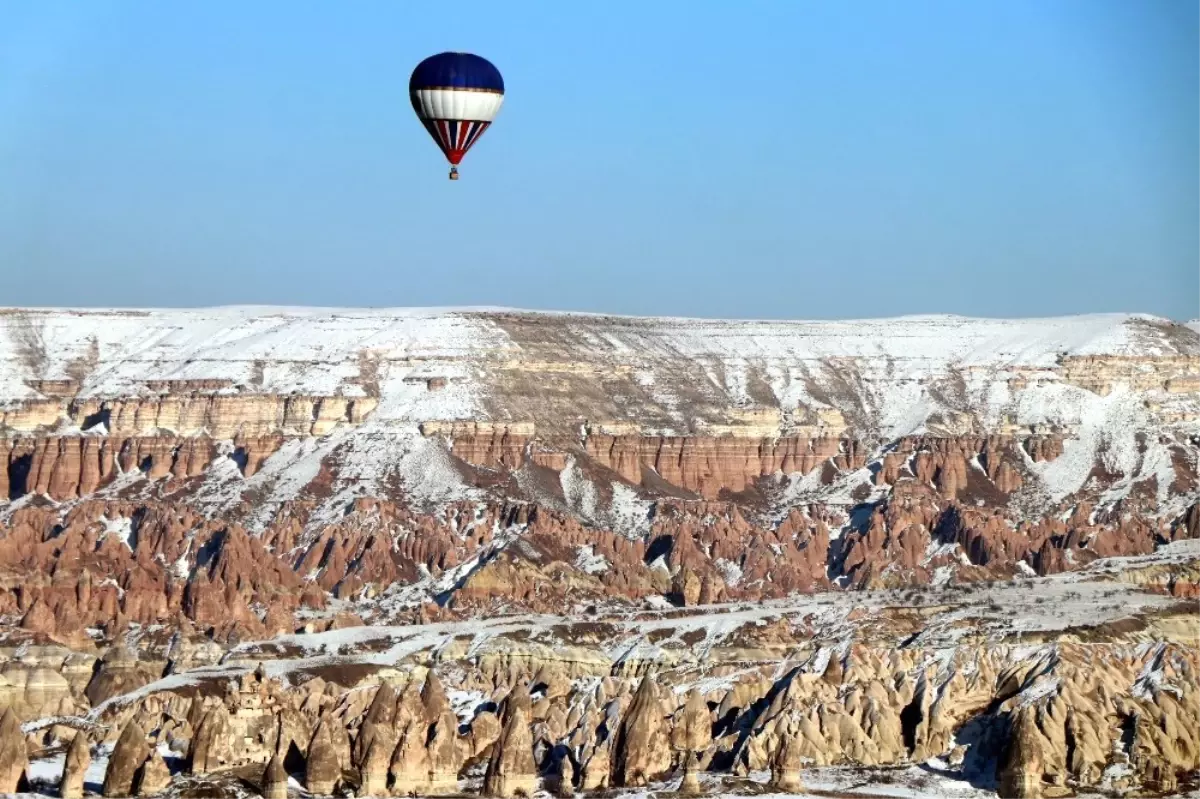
[(120, 527), (586, 560)]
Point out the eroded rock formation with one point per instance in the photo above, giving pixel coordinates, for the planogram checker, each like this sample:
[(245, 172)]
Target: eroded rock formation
[(275, 779), (179, 523), (75, 766), (511, 770), (14, 759), (154, 777), (641, 751), (323, 770), (124, 764)]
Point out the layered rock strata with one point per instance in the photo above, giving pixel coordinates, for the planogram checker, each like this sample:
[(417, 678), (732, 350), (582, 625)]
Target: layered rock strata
[(757, 549)]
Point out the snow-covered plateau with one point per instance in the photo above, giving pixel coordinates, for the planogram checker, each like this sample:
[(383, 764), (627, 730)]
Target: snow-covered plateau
[(312, 551)]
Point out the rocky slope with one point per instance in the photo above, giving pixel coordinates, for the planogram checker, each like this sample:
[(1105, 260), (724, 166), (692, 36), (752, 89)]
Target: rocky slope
[(1034, 687), (179, 487)]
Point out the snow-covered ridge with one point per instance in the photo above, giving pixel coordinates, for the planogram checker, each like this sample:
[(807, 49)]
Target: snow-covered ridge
[(259, 350), (173, 340), (661, 370)]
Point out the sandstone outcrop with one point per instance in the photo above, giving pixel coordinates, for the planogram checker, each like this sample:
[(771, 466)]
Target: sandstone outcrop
[(210, 745), (708, 465), (1058, 714), (689, 784), (511, 770), (433, 699), (905, 541), (787, 763), (119, 672), (75, 766), (641, 749), (596, 767), (1020, 775), (275, 779), (323, 771), (154, 777), (128, 756), (692, 728), (14, 759), (375, 766), (33, 690), (444, 756), (709, 549), (408, 772)]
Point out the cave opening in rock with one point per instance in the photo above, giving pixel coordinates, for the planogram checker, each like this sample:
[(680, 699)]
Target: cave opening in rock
[(101, 416), (910, 718), (240, 457), (294, 762), (660, 547), (18, 475)]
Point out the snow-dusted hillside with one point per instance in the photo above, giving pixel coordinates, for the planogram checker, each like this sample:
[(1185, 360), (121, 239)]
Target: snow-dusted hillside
[(913, 556), (1122, 390), (682, 366)]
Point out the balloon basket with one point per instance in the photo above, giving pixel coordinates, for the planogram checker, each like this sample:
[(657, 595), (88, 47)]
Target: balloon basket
[(454, 173)]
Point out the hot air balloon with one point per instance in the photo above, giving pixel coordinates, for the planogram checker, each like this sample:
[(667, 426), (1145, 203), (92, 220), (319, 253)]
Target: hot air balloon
[(456, 97)]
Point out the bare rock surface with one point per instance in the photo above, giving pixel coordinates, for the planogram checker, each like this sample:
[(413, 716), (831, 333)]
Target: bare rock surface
[(154, 777), (14, 758), (75, 766), (428, 552), (323, 770), (124, 764), (511, 770), (641, 752)]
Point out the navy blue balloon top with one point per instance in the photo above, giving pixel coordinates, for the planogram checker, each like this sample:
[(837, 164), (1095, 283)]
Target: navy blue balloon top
[(456, 71)]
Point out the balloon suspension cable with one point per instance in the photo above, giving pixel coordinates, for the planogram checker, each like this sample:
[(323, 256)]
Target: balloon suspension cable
[(454, 173)]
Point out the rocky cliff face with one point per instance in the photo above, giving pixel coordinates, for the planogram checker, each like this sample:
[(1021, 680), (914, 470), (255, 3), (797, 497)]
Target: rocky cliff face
[(175, 484), (1078, 682)]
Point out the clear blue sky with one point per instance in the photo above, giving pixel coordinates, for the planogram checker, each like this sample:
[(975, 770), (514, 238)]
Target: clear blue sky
[(789, 159)]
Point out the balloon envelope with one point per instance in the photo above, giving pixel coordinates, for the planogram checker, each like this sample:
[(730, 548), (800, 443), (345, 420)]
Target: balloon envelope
[(456, 97)]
